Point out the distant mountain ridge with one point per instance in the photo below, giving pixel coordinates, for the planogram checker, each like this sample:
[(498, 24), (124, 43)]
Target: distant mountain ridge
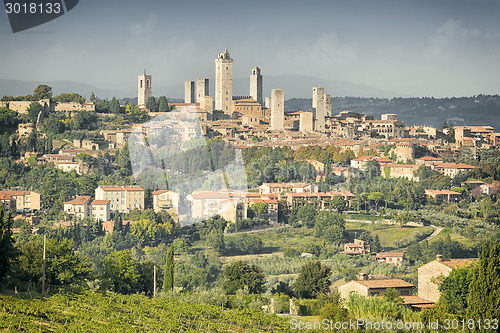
[(475, 110), (295, 86), (21, 88)]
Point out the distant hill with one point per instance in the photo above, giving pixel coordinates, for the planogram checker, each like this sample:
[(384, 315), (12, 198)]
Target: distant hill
[(295, 86), (476, 110), (21, 88)]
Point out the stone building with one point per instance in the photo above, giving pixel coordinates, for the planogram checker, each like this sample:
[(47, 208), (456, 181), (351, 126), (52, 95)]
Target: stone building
[(267, 102), (277, 110), (366, 287), (443, 195), (202, 89), (144, 89), (404, 151), (432, 273), (223, 82), (358, 247), (189, 94), (394, 258), (306, 123), (256, 85), (319, 108)]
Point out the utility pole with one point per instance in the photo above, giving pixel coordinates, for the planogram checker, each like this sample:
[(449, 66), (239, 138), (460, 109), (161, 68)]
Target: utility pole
[(43, 263), (154, 284)]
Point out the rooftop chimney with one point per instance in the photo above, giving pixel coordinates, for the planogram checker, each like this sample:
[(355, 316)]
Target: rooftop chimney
[(363, 276), (439, 258)]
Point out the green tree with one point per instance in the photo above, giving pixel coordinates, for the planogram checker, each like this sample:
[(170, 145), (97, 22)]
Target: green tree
[(483, 301), (163, 104), (119, 272), (7, 252), (260, 208), (168, 279), (151, 104), (215, 240), (376, 197), (114, 106), (329, 226), (43, 91), (33, 111), (337, 203), (307, 214), (64, 266), (455, 288), (391, 295), (240, 275), (313, 280)]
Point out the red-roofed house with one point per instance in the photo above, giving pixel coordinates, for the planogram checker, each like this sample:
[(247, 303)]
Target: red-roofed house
[(122, 198), (428, 160), (452, 169), (366, 287), (395, 258), (101, 210), (444, 195), (79, 207), (358, 247)]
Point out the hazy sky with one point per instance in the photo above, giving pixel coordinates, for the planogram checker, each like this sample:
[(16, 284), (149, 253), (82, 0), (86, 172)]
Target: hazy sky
[(419, 48)]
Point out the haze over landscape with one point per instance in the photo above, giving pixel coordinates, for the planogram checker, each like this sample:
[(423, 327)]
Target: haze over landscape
[(382, 49)]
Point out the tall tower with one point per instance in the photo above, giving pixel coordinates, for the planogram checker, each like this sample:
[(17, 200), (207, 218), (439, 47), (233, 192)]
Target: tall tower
[(319, 108), (143, 89), (277, 110), (224, 82), (328, 105), (189, 92), (201, 89), (256, 85)]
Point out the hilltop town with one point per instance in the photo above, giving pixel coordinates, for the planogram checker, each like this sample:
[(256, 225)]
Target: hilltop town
[(307, 203)]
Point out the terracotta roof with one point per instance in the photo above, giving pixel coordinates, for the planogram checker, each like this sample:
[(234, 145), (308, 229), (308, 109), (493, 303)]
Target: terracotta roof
[(16, 192), (79, 200), (387, 283), (454, 166), (415, 300), (429, 158), (402, 166), (5, 196), (159, 192), (133, 188), (389, 254), (210, 195), (99, 202), (441, 192), (455, 263), (111, 188), (287, 184)]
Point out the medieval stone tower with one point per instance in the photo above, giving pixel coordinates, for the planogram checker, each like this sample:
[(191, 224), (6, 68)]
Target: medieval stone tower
[(201, 89), (224, 82), (256, 85), (144, 84), (404, 151), (189, 92), (319, 108), (277, 110)]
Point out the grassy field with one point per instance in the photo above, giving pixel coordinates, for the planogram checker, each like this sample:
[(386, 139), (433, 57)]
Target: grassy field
[(454, 236), (387, 234)]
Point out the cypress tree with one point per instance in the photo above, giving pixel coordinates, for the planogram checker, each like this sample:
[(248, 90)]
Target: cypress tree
[(484, 290), (168, 279), (7, 251)]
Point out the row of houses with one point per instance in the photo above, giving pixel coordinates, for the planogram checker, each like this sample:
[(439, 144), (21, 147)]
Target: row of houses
[(20, 201), (429, 277)]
